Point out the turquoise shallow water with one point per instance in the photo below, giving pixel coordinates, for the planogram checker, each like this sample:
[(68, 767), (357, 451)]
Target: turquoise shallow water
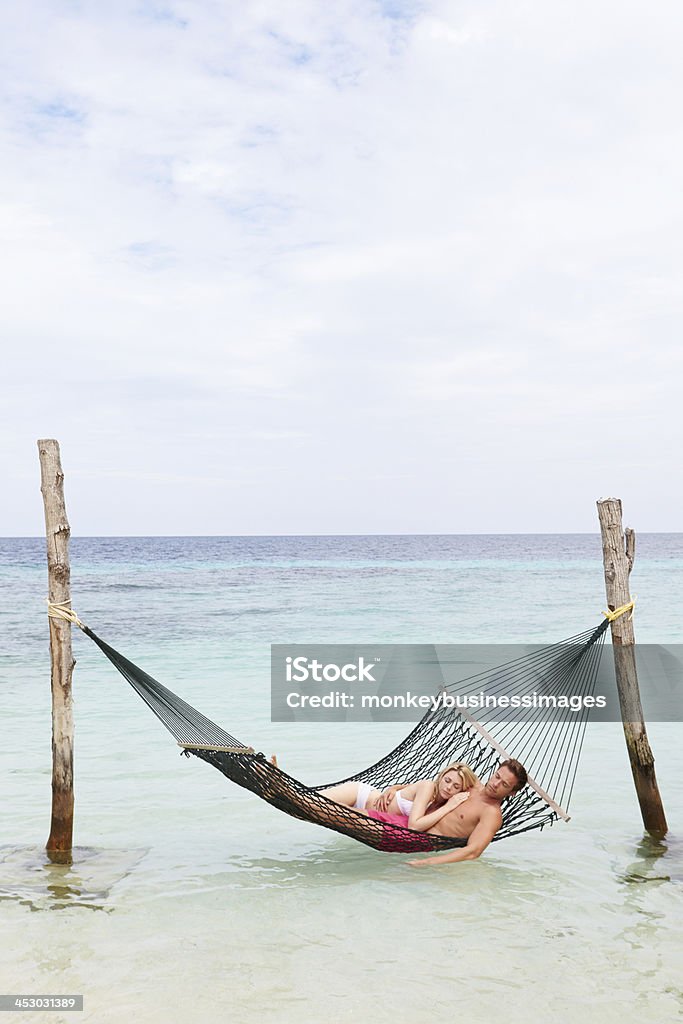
[(190, 897)]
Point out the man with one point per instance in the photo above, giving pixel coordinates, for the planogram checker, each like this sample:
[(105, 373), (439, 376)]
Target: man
[(478, 817)]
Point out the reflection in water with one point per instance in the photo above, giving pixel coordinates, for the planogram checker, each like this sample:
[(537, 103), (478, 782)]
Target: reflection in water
[(30, 878), (343, 866), (650, 865), (655, 866)]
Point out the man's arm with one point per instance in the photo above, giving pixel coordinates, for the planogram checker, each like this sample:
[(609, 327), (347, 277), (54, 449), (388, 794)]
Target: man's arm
[(480, 838)]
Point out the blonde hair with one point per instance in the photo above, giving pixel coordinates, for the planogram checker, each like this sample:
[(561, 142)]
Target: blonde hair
[(467, 776)]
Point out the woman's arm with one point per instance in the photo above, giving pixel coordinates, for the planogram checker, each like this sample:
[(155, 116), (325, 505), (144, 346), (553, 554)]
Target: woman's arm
[(419, 820), (386, 796)]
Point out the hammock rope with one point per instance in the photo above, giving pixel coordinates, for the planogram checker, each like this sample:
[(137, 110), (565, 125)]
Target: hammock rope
[(549, 746)]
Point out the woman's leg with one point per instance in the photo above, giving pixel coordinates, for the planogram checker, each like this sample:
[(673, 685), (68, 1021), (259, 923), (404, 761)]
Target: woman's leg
[(360, 795), (346, 793)]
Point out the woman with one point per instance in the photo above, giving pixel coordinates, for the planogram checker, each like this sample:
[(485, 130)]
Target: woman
[(418, 806)]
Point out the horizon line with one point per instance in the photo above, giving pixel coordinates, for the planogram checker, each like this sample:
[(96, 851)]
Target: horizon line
[(195, 536)]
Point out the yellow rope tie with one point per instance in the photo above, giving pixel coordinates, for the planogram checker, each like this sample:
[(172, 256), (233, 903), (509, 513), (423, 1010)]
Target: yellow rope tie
[(618, 612), (63, 610)]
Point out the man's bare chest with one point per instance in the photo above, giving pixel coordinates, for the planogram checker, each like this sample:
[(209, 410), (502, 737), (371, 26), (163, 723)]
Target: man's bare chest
[(462, 821)]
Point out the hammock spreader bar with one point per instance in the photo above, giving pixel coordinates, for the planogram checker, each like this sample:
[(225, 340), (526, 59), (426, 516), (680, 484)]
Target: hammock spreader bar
[(548, 749)]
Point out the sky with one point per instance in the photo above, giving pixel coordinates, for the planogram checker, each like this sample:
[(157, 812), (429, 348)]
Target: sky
[(371, 266)]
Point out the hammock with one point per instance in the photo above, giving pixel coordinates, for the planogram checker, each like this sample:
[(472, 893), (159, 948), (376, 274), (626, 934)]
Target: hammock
[(548, 748)]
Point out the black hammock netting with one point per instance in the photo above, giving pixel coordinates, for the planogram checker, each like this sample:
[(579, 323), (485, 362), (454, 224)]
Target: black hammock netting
[(548, 746)]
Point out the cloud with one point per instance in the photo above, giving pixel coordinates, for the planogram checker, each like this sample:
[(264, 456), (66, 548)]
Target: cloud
[(359, 237)]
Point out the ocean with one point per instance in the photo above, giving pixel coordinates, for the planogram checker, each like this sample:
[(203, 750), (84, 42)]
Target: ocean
[(190, 898)]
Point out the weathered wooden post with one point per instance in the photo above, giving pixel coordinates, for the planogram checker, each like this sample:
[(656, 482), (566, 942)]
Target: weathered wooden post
[(59, 844), (618, 552)]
